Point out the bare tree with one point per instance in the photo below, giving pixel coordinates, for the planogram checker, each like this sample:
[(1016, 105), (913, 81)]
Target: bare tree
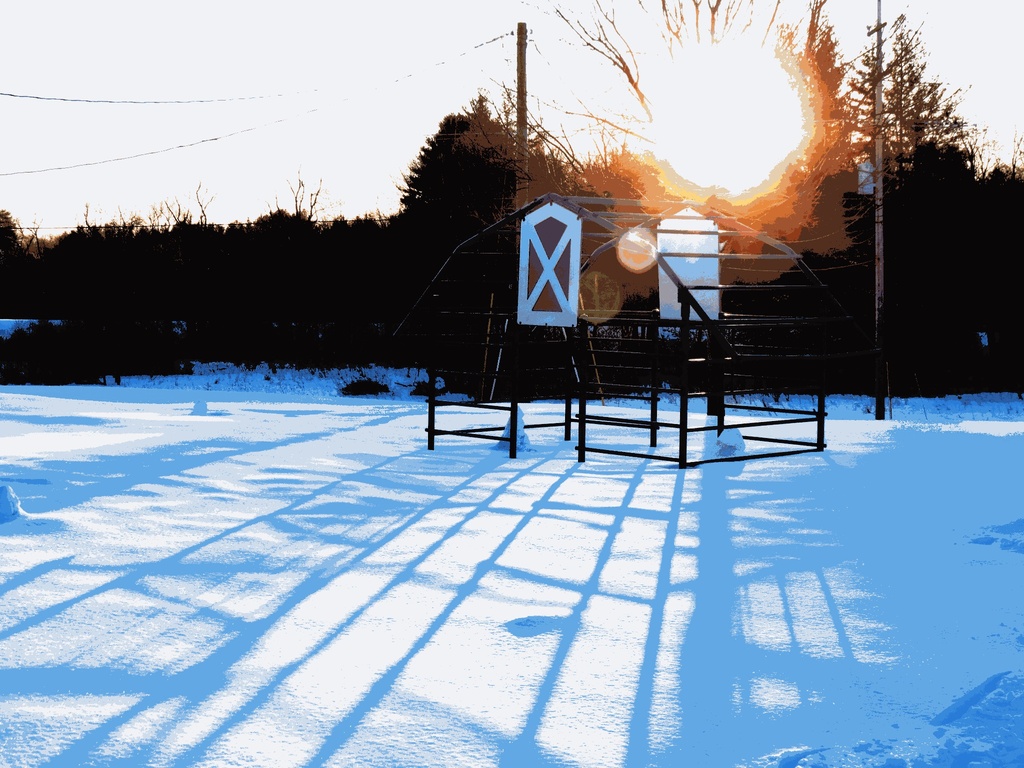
[(980, 151), (131, 222), (809, 52), (157, 218), (203, 201), (722, 18), (1017, 156), (34, 245), (18, 241), (605, 39), (306, 204), (771, 22), (675, 21), (681, 22), (176, 212)]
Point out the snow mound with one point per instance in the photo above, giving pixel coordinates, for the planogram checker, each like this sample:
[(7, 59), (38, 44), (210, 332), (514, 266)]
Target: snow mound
[(522, 441), (364, 381), (10, 506), (729, 443)]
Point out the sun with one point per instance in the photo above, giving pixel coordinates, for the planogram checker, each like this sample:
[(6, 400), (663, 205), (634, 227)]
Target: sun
[(727, 118)]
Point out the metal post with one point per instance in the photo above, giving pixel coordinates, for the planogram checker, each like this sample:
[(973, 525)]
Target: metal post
[(715, 385), (684, 386), (581, 367), (820, 416), (823, 379), (655, 375), (569, 378), (431, 408), (513, 420)]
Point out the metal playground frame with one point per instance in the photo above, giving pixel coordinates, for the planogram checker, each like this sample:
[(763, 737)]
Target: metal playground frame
[(735, 322)]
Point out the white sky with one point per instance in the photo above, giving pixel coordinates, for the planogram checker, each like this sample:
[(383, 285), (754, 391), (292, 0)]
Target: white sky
[(364, 86)]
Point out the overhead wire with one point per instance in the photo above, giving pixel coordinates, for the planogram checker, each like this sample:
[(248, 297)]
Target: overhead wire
[(226, 99), (207, 140), (250, 129), (149, 153), (222, 100)]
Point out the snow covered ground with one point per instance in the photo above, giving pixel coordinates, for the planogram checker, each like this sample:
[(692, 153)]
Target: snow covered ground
[(249, 569)]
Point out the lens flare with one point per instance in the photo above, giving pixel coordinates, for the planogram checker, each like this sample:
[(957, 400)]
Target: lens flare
[(601, 297), (635, 250), (727, 119)]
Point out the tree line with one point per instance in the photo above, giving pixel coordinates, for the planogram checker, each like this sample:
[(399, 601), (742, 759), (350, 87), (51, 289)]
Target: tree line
[(146, 296), (289, 288)]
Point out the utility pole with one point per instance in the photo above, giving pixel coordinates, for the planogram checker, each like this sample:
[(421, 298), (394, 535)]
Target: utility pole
[(522, 145), (881, 364)]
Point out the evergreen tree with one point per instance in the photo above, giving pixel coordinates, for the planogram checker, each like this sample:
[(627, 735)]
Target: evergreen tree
[(10, 237), (916, 109), (464, 177)]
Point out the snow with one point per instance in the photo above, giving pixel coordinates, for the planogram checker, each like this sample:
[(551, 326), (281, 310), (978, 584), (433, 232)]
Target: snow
[(247, 568), (10, 505)]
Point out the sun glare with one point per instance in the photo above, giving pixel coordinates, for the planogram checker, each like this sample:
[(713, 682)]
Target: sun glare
[(725, 117)]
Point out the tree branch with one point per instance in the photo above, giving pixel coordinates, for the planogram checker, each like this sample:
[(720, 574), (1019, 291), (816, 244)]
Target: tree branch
[(618, 53), (675, 21)]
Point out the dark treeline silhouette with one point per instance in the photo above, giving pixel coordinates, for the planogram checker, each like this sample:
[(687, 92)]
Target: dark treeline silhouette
[(141, 297), (136, 297), (953, 319), (279, 266)]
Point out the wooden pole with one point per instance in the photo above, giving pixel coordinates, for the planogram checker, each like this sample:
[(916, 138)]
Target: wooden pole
[(522, 145), (880, 362)]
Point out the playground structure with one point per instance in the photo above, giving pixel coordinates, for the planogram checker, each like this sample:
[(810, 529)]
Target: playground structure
[(595, 301)]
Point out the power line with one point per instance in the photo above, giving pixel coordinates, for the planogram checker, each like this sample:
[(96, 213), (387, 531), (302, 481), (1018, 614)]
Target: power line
[(187, 145), (224, 100), (475, 47), (154, 151)]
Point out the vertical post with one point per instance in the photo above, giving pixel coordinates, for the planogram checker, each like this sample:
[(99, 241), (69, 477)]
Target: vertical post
[(513, 418), (582, 366), (431, 408), (522, 145), (823, 379), (820, 416), (655, 383), (570, 376), (880, 377), (684, 376), (715, 384)]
